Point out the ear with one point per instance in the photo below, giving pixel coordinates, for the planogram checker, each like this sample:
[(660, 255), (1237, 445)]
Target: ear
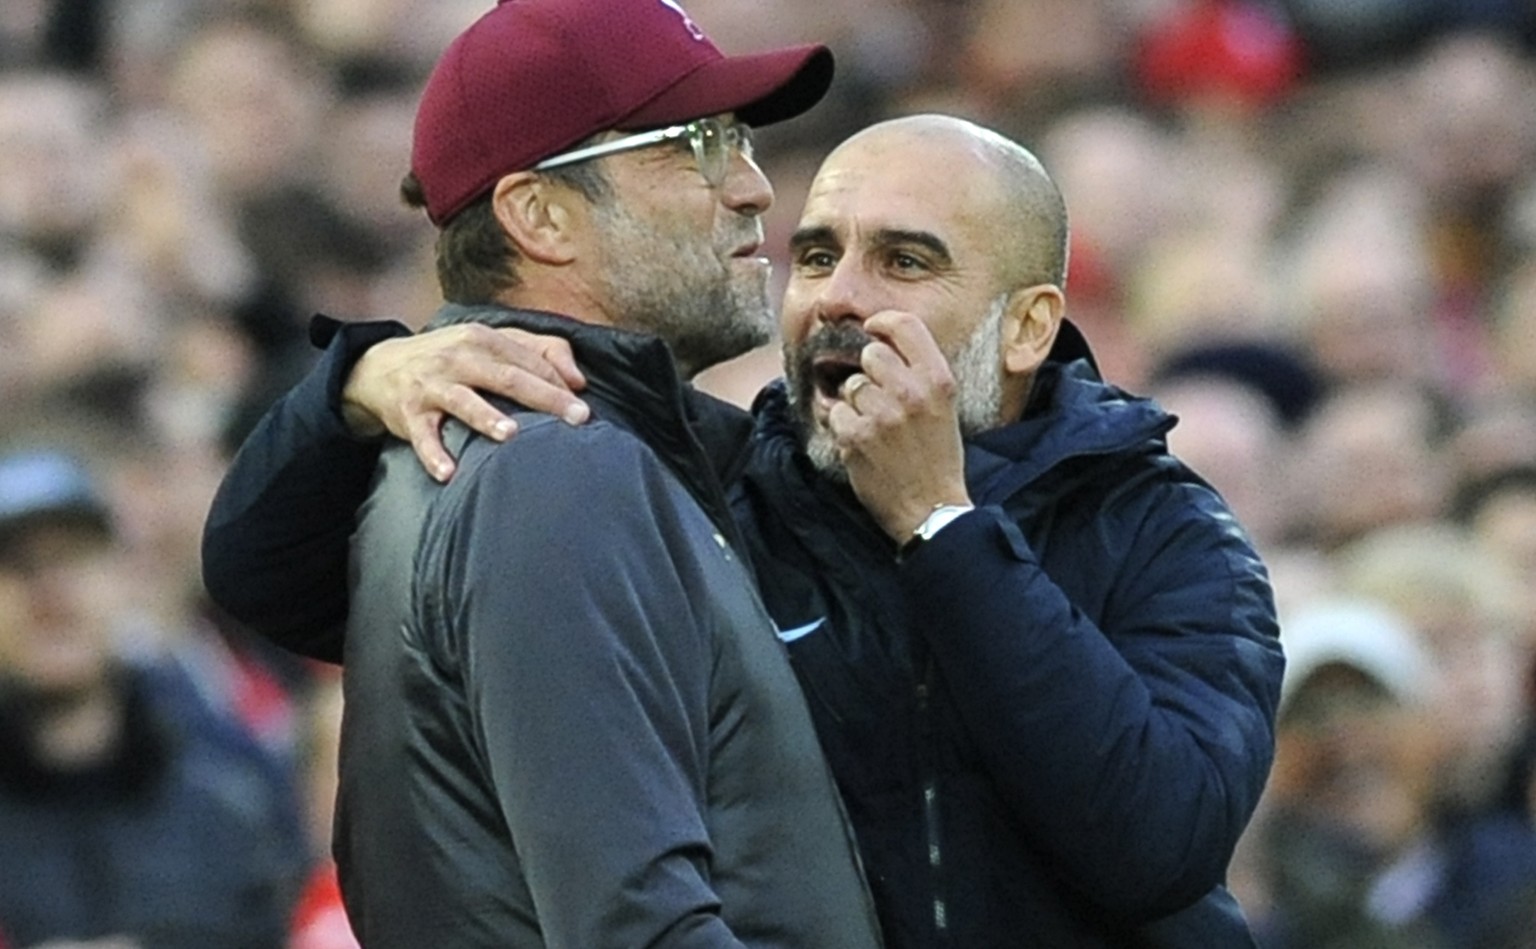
[(539, 217), (1029, 330)]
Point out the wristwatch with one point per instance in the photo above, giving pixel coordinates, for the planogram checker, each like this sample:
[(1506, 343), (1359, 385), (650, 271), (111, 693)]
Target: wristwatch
[(937, 520)]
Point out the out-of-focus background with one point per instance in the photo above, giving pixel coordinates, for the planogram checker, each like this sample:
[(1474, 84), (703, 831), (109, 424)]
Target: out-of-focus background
[(1308, 227)]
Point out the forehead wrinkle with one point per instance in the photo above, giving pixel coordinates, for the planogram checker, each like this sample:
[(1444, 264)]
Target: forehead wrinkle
[(1009, 202), (906, 171)]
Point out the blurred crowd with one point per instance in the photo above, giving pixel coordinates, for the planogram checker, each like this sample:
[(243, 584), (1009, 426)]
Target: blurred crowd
[(1307, 227)]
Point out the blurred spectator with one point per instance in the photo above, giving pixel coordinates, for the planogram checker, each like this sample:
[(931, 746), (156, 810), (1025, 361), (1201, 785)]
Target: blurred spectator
[(1499, 509), (1117, 175), (1466, 147), (1023, 60), (1368, 457), (1461, 602), (1221, 54), (1207, 275), (1233, 438), (165, 223), (1283, 378), (364, 155), (1350, 34), (1468, 151), (1350, 182), (243, 80), (1352, 854), (121, 815), (21, 30), (157, 462), (1116, 171), (1198, 285), (411, 35), (1347, 794), (1239, 406), (1495, 432), (1364, 297), (51, 149), (84, 329), (1514, 329)]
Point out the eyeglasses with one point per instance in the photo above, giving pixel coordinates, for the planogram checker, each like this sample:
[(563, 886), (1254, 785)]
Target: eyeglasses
[(713, 143)]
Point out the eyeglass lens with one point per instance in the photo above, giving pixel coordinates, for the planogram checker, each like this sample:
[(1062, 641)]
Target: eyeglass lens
[(714, 142)]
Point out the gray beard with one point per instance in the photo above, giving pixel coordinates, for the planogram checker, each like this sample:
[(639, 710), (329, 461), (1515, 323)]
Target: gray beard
[(978, 372), (703, 327), (684, 295)]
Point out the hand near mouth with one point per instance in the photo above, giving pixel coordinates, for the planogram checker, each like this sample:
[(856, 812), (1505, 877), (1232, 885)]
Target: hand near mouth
[(895, 424)]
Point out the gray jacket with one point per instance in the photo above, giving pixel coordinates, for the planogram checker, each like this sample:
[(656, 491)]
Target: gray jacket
[(569, 721)]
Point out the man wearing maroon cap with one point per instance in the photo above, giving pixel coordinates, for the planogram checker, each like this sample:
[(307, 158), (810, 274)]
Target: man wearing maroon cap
[(589, 737), (1041, 657)]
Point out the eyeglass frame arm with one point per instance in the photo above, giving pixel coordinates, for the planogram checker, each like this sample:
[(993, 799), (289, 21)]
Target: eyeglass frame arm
[(627, 143)]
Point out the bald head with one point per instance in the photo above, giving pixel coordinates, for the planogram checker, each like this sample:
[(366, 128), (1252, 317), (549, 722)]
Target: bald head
[(999, 181), (942, 219)]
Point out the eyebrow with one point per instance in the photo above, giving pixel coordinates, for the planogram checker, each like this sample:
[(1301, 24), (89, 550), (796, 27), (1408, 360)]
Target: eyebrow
[(811, 236), (894, 237), (883, 238)]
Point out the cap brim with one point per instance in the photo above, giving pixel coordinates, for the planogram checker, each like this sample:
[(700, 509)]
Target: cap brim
[(761, 88)]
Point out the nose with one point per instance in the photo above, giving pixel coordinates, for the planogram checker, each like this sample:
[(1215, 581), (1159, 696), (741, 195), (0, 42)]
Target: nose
[(842, 294), (746, 190)]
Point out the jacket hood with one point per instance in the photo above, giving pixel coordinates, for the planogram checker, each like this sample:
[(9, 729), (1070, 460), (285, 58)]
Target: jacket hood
[(1072, 413)]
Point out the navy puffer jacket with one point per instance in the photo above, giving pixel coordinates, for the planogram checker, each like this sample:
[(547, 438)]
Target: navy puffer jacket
[(1051, 722)]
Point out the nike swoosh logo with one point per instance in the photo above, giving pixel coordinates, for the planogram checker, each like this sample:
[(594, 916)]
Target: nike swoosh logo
[(790, 635)]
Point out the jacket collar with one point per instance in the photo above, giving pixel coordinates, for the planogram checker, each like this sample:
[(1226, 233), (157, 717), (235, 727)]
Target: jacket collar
[(632, 381), (1072, 413)]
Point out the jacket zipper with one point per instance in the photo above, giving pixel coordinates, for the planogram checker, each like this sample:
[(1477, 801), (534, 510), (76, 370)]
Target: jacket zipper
[(931, 823)]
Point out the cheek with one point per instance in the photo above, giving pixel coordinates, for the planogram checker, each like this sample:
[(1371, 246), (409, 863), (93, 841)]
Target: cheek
[(952, 336), (796, 319)]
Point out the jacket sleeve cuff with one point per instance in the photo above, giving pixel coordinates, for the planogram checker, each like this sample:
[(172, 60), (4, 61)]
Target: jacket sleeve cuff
[(982, 532), (344, 344)]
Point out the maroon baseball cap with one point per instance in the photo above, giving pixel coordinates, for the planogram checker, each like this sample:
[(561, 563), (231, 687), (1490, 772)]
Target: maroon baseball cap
[(532, 78)]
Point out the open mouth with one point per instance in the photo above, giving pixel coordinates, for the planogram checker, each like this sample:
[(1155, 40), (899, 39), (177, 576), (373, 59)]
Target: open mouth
[(831, 371)]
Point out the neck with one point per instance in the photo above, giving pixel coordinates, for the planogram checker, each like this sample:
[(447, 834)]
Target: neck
[(557, 290), (1016, 392), (583, 306)]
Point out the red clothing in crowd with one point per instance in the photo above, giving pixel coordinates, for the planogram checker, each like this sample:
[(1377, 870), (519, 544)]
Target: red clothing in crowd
[(320, 921)]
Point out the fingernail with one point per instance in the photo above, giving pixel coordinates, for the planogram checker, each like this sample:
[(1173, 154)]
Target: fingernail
[(442, 471), (576, 413), (503, 429)]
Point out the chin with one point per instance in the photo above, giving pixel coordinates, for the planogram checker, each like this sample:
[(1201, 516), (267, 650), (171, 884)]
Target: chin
[(824, 457), (750, 289)]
